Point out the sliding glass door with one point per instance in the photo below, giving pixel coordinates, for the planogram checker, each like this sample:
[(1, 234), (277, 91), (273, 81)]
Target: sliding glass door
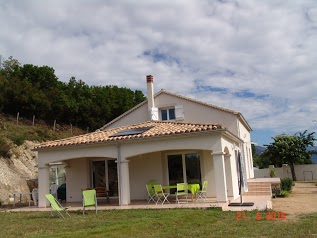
[(104, 174), (184, 168), (192, 162)]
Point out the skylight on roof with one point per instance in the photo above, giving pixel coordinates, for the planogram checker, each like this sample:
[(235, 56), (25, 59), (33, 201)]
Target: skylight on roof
[(133, 131)]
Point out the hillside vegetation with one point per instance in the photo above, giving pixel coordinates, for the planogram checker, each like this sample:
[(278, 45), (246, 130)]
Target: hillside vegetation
[(14, 133), (32, 90)]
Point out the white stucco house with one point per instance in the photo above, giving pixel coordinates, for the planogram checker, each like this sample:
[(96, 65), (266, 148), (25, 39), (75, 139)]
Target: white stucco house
[(168, 138)]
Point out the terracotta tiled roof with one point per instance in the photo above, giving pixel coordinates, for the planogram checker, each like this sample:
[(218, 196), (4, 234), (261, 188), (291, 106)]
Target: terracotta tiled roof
[(154, 129)]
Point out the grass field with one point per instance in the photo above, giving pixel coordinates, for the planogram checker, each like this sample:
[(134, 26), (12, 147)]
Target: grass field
[(155, 223)]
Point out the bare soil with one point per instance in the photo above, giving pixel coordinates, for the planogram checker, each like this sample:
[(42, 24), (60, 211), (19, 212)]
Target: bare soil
[(302, 199)]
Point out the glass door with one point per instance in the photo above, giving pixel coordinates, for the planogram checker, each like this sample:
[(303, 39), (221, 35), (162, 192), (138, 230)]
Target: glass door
[(184, 168), (112, 178), (99, 174), (192, 162), (175, 170), (104, 174)]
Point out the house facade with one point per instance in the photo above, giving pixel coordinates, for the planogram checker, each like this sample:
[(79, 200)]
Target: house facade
[(168, 138)]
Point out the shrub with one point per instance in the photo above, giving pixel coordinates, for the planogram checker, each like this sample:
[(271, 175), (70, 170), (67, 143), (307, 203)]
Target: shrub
[(284, 194), (19, 139), (272, 172), (286, 184)]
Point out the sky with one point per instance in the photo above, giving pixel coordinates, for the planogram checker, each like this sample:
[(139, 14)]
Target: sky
[(255, 57)]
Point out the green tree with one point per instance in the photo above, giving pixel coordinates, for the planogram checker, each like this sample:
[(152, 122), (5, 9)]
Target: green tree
[(35, 90), (10, 67), (291, 149)]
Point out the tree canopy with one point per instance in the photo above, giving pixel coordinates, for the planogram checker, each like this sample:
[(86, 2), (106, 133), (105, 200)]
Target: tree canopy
[(35, 90), (290, 149)]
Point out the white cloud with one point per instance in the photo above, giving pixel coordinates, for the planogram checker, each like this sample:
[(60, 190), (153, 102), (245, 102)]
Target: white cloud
[(262, 53)]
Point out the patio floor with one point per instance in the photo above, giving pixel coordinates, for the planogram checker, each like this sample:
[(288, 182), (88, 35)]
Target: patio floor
[(260, 203)]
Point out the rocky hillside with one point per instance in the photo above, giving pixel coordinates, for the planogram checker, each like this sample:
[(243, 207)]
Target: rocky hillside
[(19, 172), (18, 163)]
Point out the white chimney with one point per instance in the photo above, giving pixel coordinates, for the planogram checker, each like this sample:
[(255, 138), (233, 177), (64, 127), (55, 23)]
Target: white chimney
[(152, 111)]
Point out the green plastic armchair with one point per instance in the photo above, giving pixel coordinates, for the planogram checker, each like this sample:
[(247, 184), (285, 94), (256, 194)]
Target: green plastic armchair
[(181, 190), (89, 199), (160, 195), (201, 194)]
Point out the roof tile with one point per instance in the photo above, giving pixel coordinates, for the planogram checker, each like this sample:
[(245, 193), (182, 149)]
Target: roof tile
[(156, 129)]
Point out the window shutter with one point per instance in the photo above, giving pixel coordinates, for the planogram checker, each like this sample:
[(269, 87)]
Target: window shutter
[(179, 112)]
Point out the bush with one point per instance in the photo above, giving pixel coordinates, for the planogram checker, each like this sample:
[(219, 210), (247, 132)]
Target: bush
[(286, 184), (272, 172), (19, 139), (284, 194)]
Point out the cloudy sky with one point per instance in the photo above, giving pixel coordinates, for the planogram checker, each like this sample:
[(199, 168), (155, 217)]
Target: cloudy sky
[(256, 57)]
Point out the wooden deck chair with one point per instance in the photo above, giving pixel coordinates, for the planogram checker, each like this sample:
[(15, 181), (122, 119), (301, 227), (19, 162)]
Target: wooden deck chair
[(56, 206), (160, 195), (181, 190), (201, 194), (89, 199), (150, 193)]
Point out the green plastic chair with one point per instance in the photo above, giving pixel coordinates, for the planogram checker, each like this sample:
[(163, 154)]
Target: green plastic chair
[(201, 194), (150, 193), (160, 195), (181, 190), (56, 206), (89, 199)]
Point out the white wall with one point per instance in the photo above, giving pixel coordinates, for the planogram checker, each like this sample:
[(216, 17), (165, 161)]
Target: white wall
[(138, 115), (142, 169), (193, 112), (78, 173), (208, 173), (304, 172)]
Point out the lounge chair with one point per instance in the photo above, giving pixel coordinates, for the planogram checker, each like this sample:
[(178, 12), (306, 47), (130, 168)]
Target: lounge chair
[(56, 206)]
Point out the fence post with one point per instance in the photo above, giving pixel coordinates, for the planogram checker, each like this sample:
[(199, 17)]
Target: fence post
[(33, 120), (18, 118), (54, 125)]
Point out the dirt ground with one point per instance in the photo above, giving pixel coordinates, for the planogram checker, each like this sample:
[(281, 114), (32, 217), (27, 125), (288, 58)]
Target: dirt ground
[(302, 199)]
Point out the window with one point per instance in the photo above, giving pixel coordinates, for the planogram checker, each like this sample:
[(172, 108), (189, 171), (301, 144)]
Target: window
[(168, 114)]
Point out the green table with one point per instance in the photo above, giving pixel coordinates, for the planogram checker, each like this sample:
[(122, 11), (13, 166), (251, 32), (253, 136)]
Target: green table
[(193, 188), (169, 186)]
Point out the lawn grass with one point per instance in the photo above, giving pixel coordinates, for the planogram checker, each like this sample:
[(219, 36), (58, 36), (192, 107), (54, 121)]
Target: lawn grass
[(154, 223)]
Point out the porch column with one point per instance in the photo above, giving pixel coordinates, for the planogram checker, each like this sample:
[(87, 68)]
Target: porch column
[(231, 176), (220, 176), (44, 185), (125, 183)]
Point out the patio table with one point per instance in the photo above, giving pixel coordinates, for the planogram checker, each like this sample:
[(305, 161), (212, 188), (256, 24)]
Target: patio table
[(169, 186), (193, 188)]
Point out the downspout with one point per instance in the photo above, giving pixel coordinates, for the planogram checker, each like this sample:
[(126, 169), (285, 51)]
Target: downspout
[(119, 172)]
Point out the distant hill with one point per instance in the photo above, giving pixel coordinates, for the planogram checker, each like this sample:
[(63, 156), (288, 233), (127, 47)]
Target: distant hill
[(314, 157), (260, 149)]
